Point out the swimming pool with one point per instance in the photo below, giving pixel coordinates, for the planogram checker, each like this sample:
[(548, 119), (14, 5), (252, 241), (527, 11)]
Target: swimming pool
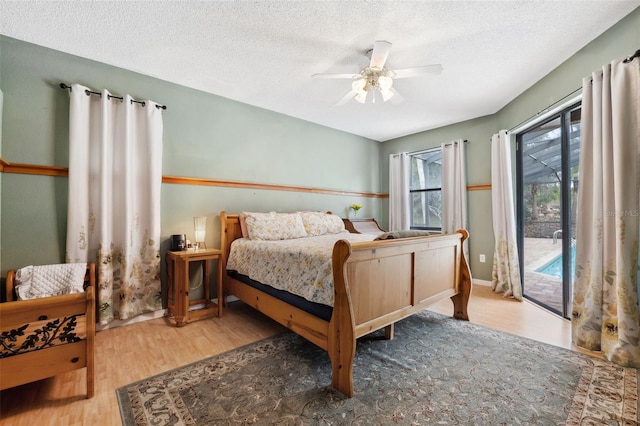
[(554, 267)]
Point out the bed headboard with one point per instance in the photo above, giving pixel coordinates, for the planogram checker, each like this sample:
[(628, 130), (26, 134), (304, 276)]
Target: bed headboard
[(229, 231)]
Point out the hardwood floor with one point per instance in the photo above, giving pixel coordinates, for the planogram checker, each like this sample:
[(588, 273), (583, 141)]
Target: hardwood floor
[(130, 353)]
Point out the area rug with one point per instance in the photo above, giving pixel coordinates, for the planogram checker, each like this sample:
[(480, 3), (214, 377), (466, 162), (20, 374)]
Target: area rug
[(436, 370)]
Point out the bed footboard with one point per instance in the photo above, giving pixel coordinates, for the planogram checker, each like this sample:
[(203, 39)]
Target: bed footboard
[(378, 283)]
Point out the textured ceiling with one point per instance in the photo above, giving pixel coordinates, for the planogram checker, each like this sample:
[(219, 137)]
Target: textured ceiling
[(263, 53)]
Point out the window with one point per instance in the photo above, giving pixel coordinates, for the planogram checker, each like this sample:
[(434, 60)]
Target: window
[(425, 190)]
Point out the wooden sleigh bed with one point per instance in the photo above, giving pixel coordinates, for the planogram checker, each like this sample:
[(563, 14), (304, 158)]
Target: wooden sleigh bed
[(44, 337), (376, 284)]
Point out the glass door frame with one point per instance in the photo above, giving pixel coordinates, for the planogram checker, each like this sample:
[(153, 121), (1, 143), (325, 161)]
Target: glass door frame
[(565, 206)]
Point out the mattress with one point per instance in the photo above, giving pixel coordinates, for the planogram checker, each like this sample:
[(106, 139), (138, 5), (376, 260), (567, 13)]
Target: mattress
[(300, 266), (317, 309)]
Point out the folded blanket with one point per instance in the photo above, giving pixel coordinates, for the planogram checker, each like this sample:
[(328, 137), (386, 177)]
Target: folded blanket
[(33, 282), (407, 233)]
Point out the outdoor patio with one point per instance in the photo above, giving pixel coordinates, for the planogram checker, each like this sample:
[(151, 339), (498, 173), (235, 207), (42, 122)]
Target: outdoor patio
[(544, 288)]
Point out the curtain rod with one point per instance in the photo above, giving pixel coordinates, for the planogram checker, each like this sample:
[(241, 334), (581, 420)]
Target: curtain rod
[(431, 149), (630, 58), (626, 61), (547, 108), (451, 143), (65, 86)]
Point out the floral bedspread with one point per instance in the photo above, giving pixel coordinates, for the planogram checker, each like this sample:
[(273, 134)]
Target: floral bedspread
[(301, 266)]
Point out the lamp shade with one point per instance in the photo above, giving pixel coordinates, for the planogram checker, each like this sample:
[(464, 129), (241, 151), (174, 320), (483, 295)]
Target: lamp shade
[(200, 228)]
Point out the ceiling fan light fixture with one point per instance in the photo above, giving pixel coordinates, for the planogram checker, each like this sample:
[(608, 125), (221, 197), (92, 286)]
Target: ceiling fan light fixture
[(361, 97), (385, 83), (359, 84), (386, 95)]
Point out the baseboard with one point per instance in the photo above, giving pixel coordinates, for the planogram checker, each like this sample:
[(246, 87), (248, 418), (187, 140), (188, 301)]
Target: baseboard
[(150, 316), (140, 318), (162, 312), (481, 282)]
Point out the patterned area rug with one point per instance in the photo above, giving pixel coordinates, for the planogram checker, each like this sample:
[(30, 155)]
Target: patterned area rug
[(436, 370)]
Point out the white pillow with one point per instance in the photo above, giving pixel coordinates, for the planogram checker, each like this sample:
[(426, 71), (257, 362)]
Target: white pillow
[(320, 223), (274, 226), (32, 282), (243, 225)]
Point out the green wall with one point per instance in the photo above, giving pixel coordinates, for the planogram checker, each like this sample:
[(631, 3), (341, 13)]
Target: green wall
[(619, 41), (205, 136)]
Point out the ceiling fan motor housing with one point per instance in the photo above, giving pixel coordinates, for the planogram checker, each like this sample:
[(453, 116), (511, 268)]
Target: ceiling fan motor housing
[(373, 77)]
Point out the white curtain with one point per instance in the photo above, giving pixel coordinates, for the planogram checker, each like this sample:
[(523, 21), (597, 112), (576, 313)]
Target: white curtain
[(115, 174), (605, 313), (506, 265), (454, 189), (399, 202)]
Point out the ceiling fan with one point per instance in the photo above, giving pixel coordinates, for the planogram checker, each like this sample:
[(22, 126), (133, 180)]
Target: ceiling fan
[(376, 78)]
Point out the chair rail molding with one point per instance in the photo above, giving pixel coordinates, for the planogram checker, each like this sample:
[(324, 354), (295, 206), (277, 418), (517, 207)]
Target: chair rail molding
[(35, 169), (32, 169)]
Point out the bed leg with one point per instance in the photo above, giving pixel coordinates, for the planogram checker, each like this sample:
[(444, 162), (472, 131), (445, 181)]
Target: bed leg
[(342, 367), (341, 339), (388, 332), (341, 347), (461, 300)]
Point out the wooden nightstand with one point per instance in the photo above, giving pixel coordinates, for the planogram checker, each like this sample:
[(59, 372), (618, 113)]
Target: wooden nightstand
[(362, 226), (178, 279)]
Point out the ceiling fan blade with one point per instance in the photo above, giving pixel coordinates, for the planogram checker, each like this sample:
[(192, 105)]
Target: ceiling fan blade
[(380, 54), (346, 98), (417, 71), (330, 75)]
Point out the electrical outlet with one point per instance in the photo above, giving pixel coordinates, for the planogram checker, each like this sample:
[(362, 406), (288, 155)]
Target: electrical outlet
[(482, 258)]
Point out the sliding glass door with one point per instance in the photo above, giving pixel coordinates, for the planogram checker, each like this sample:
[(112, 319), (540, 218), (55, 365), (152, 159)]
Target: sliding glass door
[(548, 157)]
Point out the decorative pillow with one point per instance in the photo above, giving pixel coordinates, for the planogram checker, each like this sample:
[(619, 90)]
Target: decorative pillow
[(320, 223), (274, 226), (409, 233), (243, 225), (33, 282)]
